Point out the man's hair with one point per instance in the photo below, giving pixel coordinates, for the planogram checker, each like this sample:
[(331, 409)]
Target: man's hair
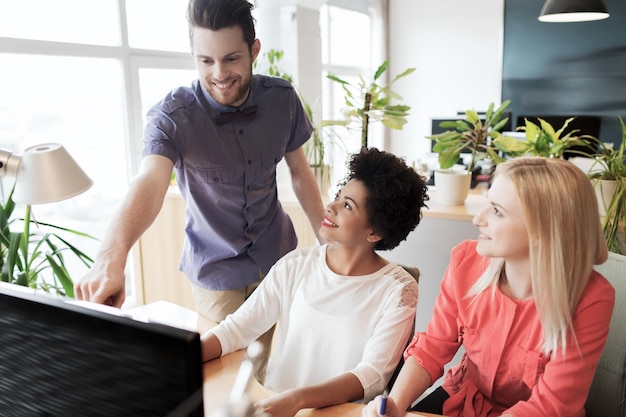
[(220, 14), (395, 194)]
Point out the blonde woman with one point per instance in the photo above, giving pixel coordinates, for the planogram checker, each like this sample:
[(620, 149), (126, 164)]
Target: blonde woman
[(523, 300)]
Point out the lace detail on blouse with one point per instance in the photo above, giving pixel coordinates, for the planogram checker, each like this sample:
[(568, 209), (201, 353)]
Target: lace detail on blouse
[(409, 290)]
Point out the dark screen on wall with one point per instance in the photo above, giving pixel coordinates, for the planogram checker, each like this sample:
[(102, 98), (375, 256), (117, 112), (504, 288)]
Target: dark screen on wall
[(566, 69)]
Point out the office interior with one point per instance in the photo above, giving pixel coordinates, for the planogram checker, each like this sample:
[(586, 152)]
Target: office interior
[(458, 48)]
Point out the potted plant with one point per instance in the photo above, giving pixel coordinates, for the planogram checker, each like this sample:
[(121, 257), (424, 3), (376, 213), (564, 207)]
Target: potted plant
[(473, 134), (324, 133), (36, 259), (369, 101), (542, 140), (608, 172)]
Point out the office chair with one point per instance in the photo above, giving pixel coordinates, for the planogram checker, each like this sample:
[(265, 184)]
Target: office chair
[(607, 396)]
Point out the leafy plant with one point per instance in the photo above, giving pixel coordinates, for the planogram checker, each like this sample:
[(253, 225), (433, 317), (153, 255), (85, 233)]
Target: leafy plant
[(471, 134), (36, 259), (542, 140), (323, 130), (367, 101), (610, 165)]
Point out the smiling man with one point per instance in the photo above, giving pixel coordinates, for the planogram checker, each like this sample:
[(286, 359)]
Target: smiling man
[(223, 136)]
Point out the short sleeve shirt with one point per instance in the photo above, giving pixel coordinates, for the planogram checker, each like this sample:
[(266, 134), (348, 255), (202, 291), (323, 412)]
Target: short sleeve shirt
[(226, 173)]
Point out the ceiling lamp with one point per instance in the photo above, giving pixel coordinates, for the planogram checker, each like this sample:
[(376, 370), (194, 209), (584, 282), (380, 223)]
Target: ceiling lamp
[(573, 11)]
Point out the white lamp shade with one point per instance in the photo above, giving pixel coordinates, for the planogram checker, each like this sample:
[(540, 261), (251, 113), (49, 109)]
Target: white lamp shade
[(573, 11), (47, 173)]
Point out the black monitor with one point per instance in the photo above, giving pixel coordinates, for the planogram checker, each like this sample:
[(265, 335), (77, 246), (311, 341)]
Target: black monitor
[(63, 359)]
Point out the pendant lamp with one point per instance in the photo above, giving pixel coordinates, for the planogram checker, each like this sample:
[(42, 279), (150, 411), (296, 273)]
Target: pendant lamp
[(573, 11)]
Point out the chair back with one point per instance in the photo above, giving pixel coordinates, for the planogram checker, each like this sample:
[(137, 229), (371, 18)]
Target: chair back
[(607, 396), (415, 273)]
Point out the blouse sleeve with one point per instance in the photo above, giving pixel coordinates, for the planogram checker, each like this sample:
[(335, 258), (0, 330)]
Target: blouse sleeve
[(255, 316), (384, 348), (437, 346), (563, 387)]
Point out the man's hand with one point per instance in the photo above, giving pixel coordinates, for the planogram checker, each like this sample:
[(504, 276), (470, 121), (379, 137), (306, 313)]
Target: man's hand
[(103, 285)]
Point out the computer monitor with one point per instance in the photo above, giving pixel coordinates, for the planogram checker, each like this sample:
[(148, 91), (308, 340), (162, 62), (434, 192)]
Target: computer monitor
[(63, 359)]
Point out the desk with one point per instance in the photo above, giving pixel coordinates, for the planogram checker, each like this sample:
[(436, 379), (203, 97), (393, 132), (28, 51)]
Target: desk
[(219, 374)]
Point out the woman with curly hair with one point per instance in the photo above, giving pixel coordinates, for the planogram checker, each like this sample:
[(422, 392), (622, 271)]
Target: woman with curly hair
[(344, 313)]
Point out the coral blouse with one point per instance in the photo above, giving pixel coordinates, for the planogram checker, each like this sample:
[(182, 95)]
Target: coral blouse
[(503, 369)]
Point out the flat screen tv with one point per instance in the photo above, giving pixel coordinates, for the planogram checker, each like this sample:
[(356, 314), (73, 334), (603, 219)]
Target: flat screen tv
[(566, 69), (63, 359)]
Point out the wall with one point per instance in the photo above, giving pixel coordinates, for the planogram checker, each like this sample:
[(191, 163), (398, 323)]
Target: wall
[(456, 46)]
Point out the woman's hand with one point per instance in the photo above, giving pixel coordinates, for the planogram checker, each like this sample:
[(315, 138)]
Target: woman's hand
[(285, 404), (372, 409)]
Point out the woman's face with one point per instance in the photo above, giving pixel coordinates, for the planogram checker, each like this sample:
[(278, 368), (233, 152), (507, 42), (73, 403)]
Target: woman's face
[(345, 220), (501, 226)]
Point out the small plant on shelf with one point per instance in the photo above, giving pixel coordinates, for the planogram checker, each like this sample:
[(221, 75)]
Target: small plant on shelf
[(473, 134), (542, 139), (609, 169)]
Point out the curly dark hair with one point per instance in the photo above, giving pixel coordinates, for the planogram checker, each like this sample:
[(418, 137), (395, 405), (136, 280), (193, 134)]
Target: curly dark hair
[(396, 194)]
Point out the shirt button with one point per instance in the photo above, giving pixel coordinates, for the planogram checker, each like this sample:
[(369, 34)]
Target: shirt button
[(249, 161), (216, 179), (241, 131)]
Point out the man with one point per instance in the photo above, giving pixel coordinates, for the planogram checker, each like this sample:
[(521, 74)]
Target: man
[(223, 136)]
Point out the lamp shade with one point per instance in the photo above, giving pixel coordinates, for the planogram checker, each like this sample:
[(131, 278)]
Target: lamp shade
[(47, 173), (573, 11)]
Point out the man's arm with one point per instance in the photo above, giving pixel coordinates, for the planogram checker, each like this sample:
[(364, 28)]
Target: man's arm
[(105, 281), (306, 189)]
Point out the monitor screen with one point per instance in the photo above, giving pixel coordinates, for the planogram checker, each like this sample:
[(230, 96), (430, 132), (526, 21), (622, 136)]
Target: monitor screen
[(62, 359)]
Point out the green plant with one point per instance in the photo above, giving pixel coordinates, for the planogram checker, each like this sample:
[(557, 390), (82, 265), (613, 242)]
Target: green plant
[(36, 259), (367, 101), (610, 165), (324, 133), (541, 140), (473, 135)]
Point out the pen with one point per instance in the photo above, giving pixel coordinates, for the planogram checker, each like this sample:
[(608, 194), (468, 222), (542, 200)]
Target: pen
[(383, 403)]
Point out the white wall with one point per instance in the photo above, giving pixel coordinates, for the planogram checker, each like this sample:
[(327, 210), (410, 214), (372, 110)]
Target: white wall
[(456, 48)]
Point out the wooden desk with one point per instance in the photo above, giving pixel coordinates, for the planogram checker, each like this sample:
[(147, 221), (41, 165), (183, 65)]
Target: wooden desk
[(475, 201), (219, 377), (220, 374)]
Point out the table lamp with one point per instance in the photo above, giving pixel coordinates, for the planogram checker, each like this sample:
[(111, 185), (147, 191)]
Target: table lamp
[(44, 173), (573, 11)]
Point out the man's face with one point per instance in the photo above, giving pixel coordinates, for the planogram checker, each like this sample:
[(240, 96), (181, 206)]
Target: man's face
[(224, 63)]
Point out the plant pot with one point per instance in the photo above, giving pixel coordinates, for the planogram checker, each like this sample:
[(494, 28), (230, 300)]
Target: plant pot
[(604, 193), (452, 187)]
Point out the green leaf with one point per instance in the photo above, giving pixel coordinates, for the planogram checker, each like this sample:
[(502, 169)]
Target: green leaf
[(381, 69)]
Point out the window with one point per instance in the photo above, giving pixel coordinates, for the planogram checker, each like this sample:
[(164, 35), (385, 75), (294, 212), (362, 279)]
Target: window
[(84, 74), (352, 46)]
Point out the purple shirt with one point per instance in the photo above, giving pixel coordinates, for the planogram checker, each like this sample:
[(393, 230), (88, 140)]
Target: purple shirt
[(235, 225)]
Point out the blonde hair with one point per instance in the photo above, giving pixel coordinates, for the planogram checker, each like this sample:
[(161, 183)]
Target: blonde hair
[(560, 211)]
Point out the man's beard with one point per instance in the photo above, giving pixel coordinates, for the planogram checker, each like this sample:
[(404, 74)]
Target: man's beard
[(240, 94)]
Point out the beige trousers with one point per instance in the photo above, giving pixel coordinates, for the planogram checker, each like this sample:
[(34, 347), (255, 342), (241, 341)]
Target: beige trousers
[(216, 305)]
